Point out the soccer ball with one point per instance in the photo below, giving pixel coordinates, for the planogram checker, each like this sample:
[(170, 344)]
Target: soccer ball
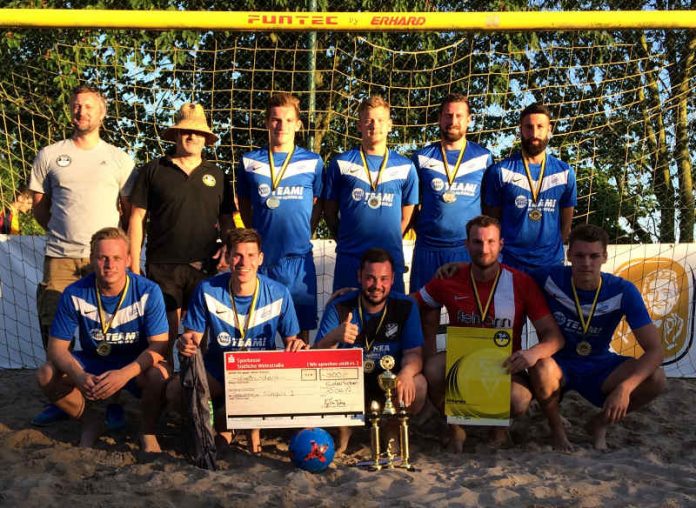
[(312, 450)]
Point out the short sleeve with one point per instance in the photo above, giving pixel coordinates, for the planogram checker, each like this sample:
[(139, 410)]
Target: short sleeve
[(329, 320), (492, 187), (534, 301), (318, 177), (39, 181), (241, 184), (155, 313), (570, 196), (196, 314), (413, 331), (227, 205), (331, 181), (65, 320), (140, 191), (410, 190), (288, 326), (128, 176), (634, 307)]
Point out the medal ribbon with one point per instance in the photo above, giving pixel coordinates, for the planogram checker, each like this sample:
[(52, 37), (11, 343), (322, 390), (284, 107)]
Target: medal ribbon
[(484, 311), (451, 177), (585, 324), (102, 318), (276, 181), (252, 308), (534, 190), (363, 325), (367, 168)]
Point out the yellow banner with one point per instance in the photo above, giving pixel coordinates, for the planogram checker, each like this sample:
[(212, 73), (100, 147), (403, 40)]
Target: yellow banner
[(346, 21), (477, 387)]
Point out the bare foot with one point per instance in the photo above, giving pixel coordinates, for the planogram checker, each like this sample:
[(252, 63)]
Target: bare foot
[(598, 430), (560, 441), (92, 427), (457, 438), (344, 434), (149, 443), (499, 436), (255, 441)]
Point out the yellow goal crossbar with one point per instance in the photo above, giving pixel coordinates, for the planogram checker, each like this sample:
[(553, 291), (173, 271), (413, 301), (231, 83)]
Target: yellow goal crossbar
[(346, 21)]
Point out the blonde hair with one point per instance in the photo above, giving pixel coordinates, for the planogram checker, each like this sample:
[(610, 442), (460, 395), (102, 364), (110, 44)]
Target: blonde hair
[(372, 102), (108, 234)]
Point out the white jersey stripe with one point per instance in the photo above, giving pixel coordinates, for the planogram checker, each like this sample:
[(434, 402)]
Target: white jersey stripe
[(124, 315), (226, 314)]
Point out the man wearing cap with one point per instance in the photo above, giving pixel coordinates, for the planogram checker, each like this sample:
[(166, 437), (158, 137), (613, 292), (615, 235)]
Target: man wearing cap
[(278, 187), (78, 186), (188, 201)]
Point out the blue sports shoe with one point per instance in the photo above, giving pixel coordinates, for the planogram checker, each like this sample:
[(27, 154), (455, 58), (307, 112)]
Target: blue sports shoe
[(115, 417), (50, 414)]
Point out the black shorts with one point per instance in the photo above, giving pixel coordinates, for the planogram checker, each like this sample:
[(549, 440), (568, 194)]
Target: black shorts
[(177, 282)]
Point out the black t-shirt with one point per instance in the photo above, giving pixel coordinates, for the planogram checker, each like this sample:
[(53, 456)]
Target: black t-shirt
[(183, 209)]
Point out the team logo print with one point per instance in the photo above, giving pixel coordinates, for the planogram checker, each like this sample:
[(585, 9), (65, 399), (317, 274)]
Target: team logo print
[(224, 339), (209, 180), (63, 160), (391, 330), (560, 318), (437, 184), (317, 451), (501, 338), (357, 194), (264, 190), (521, 201)]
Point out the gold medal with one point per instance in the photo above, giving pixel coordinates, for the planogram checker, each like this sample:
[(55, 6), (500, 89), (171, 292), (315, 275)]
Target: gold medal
[(583, 348), (449, 197), (535, 215), (387, 362), (104, 349), (369, 366), (273, 202), (374, 202)]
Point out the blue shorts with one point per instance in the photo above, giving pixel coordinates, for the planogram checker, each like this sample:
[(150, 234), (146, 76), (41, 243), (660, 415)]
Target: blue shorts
[(586, 375), (346, 273), (299, 275), (426, 261), (97, 365)]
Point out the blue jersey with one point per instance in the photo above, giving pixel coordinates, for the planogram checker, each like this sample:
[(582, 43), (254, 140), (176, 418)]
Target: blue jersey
[(443, 224), (371, 218), (617, 298), (285, 230), (211, 309), (400, 330), (141, 315), (531, 243)]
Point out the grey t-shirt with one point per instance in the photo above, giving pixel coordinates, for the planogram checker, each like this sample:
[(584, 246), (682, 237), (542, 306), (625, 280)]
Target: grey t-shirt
[(83, 186)]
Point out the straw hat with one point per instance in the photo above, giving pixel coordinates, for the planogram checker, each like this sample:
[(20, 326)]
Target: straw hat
[(191, 117)]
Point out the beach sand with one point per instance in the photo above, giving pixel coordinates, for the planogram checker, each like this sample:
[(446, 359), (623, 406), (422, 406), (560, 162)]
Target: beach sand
[(651, 462)]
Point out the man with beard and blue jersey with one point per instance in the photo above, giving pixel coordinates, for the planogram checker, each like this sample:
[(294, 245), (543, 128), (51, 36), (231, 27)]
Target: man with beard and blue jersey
[(374, 191), (241, 310), (588, 306), (122, 327), (278, 197), (533, 194), (450, 172)]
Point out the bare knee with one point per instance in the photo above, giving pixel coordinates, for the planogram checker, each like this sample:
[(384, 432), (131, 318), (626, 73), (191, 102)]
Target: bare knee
[(545, 377), (45, 375), (520, 398)]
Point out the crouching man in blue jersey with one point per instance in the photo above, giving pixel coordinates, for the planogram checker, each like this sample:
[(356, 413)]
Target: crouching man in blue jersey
[(242, 311), (123, 335), (588, 306), (381, 322)]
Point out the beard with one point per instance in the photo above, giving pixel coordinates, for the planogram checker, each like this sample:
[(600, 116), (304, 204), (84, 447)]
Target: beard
[(451, 136), (374, 300), (532, 149)]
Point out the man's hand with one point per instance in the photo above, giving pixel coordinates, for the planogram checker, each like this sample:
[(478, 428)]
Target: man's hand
[(109, 383), (447, 270), (221, 256), (186, 344), (520, 360), (405, 389), (86, 383), (295, 344), (348, 331), (616, 404)]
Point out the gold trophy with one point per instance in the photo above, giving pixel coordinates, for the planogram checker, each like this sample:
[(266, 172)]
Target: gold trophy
[(387, 382)]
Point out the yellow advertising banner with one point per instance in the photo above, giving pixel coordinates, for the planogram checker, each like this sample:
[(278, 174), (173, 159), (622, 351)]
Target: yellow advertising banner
[(477, 387)]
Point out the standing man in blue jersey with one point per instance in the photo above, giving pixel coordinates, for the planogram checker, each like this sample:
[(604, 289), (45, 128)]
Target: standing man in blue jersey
[(241, 310), (188, 201), (450, 174), (588, 306), (381, 322), (122, 326), (374, 191), (533, 194), (278, 188)]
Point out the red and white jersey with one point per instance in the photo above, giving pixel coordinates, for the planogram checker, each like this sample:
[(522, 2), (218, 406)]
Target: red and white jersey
[(516, 297)]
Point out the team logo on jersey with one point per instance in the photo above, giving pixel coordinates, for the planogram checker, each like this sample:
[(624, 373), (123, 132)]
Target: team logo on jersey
[(521, 201), (391, 330), (63, 160), (501, 338), (224, 339), (209, 180), (560, 318), (437, 184), (358, 194), (264, 190)]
